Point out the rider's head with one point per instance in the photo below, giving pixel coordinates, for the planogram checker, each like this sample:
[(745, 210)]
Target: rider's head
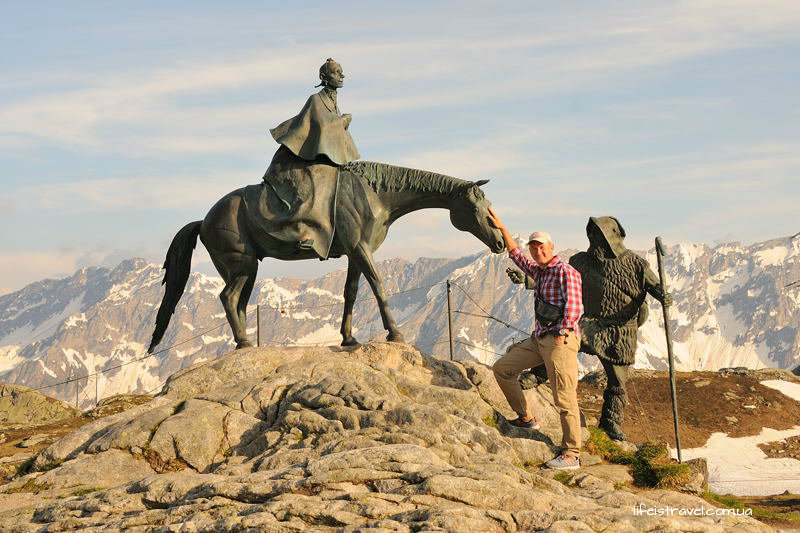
[(331, 74)]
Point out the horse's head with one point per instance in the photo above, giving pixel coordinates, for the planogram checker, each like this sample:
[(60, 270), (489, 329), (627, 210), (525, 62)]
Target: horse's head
[(469, 211)]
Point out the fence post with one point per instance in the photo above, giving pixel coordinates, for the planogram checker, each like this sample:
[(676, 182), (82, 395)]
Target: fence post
[(77, 380), (258, 325), (96, 379), (449, 319)]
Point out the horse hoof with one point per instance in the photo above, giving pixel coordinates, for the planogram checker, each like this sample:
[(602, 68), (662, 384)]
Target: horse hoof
[(351, 341), (245, 344), (395, 337)]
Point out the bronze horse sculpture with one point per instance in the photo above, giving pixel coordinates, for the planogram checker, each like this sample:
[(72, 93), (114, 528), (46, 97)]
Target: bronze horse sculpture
[(370, 197)]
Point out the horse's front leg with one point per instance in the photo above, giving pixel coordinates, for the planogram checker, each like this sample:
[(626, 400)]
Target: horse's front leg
[(350, 293), (362, 257)]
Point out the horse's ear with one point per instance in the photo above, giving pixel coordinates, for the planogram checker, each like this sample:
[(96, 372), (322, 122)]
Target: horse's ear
[(480, 183)]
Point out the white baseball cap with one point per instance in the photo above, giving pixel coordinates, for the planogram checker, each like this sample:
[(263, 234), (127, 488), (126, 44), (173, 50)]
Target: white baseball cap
[(540, 237)]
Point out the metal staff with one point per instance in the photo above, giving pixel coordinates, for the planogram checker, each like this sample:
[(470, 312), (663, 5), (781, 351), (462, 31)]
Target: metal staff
[(668, 331)]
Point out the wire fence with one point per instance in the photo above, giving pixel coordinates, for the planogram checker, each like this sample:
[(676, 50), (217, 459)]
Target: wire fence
[(284, 310), (287, 310)]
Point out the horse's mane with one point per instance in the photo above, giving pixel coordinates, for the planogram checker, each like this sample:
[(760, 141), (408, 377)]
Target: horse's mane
[(383, 177)]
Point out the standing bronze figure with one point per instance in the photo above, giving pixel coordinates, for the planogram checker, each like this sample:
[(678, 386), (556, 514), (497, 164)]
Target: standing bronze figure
[(615, 284)]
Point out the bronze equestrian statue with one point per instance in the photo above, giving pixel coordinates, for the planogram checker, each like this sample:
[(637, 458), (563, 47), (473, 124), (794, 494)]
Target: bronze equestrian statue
[(371, 197), (316, 202)]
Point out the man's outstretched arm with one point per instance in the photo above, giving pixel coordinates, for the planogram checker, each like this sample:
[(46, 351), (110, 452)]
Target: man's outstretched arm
[(514, 251)]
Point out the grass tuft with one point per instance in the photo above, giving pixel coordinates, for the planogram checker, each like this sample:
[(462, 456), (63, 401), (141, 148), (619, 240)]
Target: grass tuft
[(88, 490), (491, 420), (599, 444), (734, 502), (563, 477), (652, 466), (29, 486)]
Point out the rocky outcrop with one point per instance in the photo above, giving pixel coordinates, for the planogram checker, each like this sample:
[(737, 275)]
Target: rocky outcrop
[(378, 438), (21, 406)]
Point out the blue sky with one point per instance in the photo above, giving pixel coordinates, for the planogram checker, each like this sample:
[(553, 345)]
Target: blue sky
[(119, 123)]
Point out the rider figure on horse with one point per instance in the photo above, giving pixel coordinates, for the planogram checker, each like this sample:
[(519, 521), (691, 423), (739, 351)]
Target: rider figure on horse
[(320, 130), (304, 169)]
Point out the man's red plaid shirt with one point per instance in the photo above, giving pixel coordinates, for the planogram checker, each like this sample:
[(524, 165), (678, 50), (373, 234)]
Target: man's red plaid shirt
[(558, 284)]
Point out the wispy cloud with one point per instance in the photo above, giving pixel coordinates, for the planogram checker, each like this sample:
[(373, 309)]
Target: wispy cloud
[(132, 193), (595, 46)]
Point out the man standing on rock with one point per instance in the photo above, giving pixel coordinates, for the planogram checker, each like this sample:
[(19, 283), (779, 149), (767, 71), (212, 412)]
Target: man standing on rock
[(555, 341)]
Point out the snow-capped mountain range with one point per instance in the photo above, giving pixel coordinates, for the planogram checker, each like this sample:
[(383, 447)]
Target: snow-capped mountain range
[(732, 308)]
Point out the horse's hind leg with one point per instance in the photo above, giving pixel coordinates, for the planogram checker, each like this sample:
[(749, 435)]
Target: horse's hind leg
[(239, 273), (244, 294), (363, 260), (350, 293)]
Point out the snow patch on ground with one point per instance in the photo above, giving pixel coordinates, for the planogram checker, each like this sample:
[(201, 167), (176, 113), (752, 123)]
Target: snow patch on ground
[(690, 252), (792, 390), (738, 466)]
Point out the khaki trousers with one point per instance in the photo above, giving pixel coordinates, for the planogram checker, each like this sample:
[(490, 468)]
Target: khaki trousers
[(561, 362)]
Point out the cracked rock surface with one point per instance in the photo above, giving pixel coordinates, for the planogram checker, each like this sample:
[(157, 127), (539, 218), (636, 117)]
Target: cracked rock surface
[(377, 438)]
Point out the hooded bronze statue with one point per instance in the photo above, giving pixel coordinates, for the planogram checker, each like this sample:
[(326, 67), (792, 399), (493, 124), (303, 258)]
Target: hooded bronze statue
[(297, 203), (616, 282)]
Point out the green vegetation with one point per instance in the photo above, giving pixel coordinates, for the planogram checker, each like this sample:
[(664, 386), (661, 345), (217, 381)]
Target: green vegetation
[(27, 466), (29, 486), (653, 467), (599, 444), (88, 490), (525, 465), (51, 465), (491, 420), (563, 477), (735, 502)]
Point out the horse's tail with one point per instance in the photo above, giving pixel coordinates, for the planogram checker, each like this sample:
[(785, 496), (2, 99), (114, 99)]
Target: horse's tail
[(177, 265)]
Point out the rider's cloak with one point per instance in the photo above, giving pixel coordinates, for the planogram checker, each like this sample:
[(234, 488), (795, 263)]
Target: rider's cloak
[(318, 129)]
